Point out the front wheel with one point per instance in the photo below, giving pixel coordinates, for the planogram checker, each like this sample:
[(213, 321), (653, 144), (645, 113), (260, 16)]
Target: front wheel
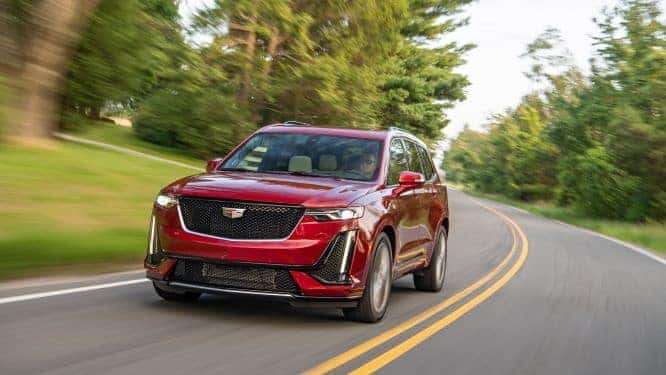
[(171, 294), (431, 279), (374, 303)]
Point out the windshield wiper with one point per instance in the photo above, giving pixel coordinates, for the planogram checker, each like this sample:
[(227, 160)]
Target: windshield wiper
[(235, 169), (295, 173), (299, 173)]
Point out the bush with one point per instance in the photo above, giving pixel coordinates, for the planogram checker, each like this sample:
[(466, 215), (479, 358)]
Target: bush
[(206, 123), (658, 206), (162, 116), (601, 189)]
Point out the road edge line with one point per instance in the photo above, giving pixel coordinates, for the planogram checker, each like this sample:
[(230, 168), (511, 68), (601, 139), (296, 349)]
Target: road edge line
[(632, 247), (40, 295), (63, 280), (635, 248)]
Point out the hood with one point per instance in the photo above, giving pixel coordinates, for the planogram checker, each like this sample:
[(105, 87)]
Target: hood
[(312, 192)]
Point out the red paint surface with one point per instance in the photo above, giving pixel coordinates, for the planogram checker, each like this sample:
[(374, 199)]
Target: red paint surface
[(414, 212)]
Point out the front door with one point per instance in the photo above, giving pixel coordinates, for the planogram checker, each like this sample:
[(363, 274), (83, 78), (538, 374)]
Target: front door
[(410, 212)]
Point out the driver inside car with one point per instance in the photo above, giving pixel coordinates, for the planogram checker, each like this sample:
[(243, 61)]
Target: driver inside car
[(365, 165)]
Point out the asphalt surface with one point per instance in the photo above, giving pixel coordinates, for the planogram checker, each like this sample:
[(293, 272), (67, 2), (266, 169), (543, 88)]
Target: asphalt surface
[(580, 304)]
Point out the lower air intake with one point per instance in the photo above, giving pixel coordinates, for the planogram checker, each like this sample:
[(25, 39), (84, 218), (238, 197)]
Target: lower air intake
[(332, 270), (234, 276)]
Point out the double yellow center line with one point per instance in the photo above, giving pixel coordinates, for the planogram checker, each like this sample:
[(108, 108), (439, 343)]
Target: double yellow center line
[(408, 344)]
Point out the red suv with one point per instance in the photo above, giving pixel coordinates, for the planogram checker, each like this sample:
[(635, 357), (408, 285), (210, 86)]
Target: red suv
[(313, 216)]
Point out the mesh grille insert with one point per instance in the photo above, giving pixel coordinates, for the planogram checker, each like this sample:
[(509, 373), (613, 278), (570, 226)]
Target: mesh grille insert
[(234, 276), (330, 269), (258, 221)]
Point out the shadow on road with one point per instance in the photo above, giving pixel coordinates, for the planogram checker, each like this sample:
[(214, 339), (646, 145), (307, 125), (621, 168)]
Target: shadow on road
[(238, 308)]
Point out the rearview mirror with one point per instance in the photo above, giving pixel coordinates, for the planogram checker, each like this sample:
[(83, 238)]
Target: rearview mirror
[(213, 164)]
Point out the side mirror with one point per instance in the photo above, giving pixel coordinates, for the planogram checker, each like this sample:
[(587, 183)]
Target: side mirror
[(407, 181), (213, 164), (410, 179)]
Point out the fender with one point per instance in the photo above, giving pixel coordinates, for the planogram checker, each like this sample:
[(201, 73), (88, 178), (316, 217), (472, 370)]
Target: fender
[(385, 222)]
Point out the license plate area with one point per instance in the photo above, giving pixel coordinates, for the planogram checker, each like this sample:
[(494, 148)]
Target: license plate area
[(243, 277)]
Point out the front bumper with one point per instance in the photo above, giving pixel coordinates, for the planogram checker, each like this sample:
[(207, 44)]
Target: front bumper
[(247, 279), (295, 300), (307, 255)]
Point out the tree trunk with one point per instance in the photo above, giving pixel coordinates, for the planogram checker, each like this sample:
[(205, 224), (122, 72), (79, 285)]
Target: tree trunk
[(96, 112), (272, 50), (250, 45), (273, 44), (56, 28)]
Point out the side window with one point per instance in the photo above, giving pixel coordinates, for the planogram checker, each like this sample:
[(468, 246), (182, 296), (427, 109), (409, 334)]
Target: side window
[(251, 155), (398, 161), (429, 171), (414, 158)]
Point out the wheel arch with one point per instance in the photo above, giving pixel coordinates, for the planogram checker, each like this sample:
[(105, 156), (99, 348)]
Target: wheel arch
[(390, 233)]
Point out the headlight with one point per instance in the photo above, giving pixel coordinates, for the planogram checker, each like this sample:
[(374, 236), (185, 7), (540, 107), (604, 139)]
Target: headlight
[(328, 214), (166, 201)]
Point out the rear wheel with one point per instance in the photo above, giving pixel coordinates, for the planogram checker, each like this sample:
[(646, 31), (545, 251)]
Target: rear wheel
[(431, 279), (374, 303), (172, 294)]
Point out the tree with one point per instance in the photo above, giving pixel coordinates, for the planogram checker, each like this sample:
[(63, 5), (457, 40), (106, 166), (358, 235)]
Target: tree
[(464, 158), (420, 83), (597, 142), (122, 53), (52, 29), (347, 63)]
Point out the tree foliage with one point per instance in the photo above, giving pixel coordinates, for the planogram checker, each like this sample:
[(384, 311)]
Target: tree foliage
[(597, 143), (355, 63), (125, 48), (352, 63)]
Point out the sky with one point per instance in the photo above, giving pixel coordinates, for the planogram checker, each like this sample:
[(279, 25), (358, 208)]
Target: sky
[(501, 29)]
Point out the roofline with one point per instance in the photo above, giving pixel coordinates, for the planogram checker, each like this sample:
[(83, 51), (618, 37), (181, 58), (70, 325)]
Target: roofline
[(392, 131), (399, 132), (377, 134)]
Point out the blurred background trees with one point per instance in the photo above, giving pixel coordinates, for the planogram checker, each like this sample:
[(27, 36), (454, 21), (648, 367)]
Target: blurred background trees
[(594, 141), (597, 142), (352, 63)]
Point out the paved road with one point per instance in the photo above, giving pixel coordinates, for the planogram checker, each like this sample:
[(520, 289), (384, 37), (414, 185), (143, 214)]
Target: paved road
[(579, 304)]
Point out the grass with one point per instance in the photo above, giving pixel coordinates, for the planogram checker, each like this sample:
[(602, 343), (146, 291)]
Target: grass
[(647, 235), (70, 206), (121, 136)]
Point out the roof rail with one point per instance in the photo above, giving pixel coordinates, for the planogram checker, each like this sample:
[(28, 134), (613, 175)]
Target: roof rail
[(294, 123), (400, 129)]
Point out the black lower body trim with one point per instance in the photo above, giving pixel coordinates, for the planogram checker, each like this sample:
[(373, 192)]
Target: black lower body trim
[(292, 299)]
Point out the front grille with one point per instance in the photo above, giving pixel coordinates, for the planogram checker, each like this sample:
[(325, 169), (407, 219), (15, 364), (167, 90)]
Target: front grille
[(234, 276), (259, 221)]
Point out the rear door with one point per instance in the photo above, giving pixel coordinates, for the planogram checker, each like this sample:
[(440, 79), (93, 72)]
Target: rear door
[(402, 207), (431, 199)]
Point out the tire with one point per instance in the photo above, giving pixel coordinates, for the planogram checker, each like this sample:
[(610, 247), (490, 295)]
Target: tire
[(374, 303), (175, 295), (431, 278)]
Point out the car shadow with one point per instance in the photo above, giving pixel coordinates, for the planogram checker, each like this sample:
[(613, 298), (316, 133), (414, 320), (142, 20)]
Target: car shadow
[(254, 309)]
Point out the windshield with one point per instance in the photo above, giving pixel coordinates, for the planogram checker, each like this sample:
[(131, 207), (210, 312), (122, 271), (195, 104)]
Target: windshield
[(307, 154)]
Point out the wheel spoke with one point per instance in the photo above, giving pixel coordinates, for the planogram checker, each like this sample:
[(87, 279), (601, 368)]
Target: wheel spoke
[(382, 282)]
